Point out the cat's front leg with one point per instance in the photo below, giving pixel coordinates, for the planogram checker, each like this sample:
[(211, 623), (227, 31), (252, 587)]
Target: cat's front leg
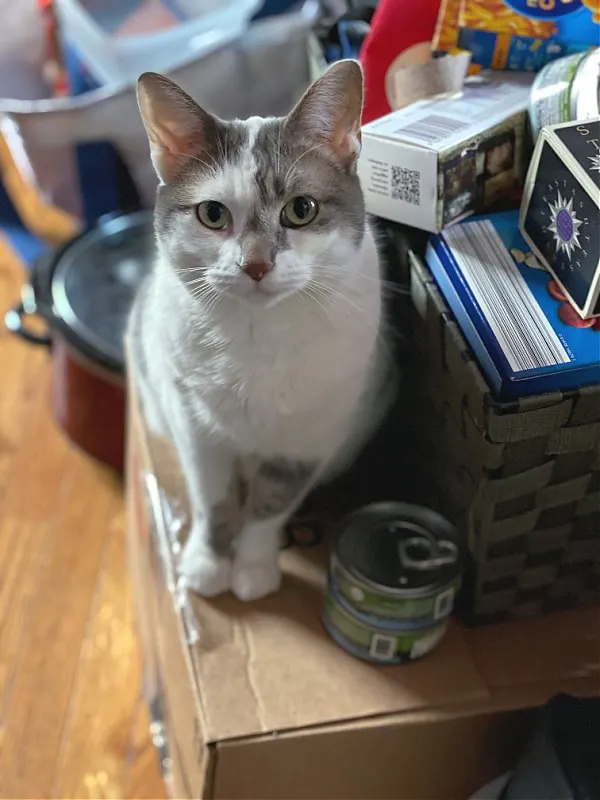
[(276, 488), (205, 571), (256, 570), (216, 490)]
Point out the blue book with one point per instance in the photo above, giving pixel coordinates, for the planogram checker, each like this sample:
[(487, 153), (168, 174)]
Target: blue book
[(500, 297)]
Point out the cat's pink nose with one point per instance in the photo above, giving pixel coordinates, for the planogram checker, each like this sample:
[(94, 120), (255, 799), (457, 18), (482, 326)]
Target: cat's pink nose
[(256, 270)]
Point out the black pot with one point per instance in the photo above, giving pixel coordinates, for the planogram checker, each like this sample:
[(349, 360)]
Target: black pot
[(84, 292)]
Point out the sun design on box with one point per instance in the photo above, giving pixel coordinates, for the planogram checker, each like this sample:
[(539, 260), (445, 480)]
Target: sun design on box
[(595, 162), (564, 225)]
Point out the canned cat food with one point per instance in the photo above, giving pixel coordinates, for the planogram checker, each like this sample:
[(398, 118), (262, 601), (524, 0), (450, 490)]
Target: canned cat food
[(361, 639), (395, 571), (566, 90)]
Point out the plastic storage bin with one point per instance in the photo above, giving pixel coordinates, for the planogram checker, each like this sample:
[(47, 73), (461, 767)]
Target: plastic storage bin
[(96, 34), (264, 72)]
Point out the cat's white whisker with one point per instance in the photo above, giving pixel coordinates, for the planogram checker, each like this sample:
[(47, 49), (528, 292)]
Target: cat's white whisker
[(202, 296), (210, 167), (336, 296), (226, 146), (193, 281), (307, 292), (391, 286), (212, 302), (201, 286), (278, 153), (305, 153)]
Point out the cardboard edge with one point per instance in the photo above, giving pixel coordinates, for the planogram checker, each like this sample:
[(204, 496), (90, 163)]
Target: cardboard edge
[(134, 433), (382, 137), (526, 696)]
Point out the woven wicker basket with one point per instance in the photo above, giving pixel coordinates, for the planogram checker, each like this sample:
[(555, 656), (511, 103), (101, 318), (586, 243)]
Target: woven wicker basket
[(521, 478)]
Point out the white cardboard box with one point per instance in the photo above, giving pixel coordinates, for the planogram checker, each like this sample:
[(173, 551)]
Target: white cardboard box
[(439, 160)]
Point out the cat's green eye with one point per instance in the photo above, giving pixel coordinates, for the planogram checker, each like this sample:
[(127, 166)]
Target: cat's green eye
[(300, 211), (214, 215)]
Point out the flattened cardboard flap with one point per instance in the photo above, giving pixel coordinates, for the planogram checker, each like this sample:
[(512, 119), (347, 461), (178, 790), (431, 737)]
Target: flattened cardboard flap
[(271, 667)]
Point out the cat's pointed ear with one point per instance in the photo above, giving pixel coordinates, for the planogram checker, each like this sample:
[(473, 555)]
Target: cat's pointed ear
[(330, 111), (177, 127)]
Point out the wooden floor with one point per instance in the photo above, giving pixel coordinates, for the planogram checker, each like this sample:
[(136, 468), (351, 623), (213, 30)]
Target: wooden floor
[(72, 720)]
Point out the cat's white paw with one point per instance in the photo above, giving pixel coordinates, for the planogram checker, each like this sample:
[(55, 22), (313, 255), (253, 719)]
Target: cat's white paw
[(204, 572), (252, 580)]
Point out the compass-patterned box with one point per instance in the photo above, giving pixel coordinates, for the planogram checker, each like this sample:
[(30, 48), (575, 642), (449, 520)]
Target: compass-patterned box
[(560, 214)]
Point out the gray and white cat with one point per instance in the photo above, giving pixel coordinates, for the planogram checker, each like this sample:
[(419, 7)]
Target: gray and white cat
[(258, 334)]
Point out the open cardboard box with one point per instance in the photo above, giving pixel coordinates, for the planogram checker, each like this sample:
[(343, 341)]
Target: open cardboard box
[(257, 702)]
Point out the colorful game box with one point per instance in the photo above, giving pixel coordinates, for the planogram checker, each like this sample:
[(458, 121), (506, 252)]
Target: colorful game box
[(504, 303), (517, 34)]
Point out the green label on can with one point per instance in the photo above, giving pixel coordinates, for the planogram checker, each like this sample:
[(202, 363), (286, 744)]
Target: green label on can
[(552, 92), (377, 645), (434, 605)]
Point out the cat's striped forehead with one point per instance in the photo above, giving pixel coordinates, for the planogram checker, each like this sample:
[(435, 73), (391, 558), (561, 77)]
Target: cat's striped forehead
[(249, 163), (253, 160)]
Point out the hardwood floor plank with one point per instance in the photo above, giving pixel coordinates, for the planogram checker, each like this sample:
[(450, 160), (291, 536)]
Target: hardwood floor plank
[(40, 692), (28, 514), (96, 747)]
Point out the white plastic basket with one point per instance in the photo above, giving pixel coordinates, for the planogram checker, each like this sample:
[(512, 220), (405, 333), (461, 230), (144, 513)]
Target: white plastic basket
[(262, 73), (88, 28)]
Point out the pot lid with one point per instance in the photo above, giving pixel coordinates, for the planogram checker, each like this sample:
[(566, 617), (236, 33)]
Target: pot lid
[(95, 280)]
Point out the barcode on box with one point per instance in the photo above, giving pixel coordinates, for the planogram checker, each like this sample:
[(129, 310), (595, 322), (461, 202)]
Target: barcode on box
[(432, 129), (383, 647), (521, 329), (406, 185)]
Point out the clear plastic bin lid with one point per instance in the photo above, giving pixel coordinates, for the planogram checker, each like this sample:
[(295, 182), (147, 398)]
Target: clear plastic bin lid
[(125, 18)]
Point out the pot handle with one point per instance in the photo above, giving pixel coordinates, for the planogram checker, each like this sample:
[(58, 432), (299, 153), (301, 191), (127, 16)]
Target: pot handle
[(13, 320)]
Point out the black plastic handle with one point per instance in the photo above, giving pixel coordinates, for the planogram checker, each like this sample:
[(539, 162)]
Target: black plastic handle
[(13, 320)]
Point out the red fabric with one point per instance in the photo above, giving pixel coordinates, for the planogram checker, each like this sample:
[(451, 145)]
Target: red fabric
[(396, 26)]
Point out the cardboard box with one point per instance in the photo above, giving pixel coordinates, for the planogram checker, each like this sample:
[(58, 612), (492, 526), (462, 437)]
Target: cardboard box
[(439, 160), (560, 213), (255, 701)]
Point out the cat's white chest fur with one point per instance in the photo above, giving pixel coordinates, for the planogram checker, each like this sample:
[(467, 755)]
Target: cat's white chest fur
[(288, 384)]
